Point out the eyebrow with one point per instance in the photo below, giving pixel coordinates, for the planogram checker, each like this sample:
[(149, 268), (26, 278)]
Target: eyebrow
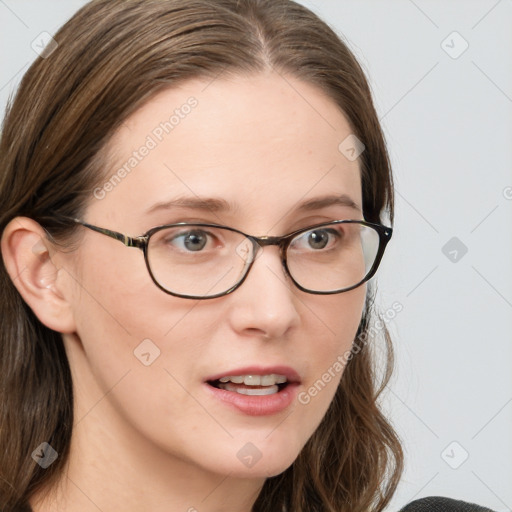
[(212, 204)]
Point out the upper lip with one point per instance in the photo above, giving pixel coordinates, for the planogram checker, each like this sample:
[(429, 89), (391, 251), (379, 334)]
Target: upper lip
[(288, 372)]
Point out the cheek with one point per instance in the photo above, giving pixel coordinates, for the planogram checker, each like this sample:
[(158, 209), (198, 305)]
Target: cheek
[(116, 293), (126, 323), (337, 322), (120, 314), (336, 319), (136, 346)]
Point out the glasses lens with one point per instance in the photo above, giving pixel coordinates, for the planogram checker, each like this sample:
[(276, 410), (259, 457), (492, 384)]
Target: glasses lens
[(333, 257), (199, 261)]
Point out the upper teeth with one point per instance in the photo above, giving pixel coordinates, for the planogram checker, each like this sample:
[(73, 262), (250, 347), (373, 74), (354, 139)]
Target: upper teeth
[(255, 380)]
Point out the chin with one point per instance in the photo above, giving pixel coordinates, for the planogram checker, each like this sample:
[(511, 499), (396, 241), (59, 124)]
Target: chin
[(274, 465), (251, 463)]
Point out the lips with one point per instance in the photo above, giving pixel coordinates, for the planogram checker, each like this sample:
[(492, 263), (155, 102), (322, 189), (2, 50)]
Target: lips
[(253, 400)]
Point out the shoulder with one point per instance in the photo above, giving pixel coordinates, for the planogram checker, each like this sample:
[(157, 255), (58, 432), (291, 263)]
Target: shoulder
[(440, 504)]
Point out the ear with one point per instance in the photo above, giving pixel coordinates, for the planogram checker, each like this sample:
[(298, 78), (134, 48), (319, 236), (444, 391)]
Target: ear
[(32, 263)]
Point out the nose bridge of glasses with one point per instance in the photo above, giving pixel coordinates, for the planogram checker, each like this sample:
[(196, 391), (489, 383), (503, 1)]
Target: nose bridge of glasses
[(258, 243), (263, 241)]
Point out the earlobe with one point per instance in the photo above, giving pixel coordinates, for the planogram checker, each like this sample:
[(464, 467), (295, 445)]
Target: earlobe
[(31, 261)]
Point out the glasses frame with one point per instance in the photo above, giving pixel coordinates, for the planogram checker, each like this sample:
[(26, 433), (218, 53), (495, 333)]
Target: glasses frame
[(283, 242)]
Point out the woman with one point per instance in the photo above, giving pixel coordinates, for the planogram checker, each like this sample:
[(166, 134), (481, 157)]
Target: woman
[(220, 359)]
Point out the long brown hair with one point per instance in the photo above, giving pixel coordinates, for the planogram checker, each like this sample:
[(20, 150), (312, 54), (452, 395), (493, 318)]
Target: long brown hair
[(112, 56)]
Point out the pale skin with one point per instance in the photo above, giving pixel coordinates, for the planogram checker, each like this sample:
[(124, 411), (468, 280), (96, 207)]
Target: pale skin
[(149, 437)]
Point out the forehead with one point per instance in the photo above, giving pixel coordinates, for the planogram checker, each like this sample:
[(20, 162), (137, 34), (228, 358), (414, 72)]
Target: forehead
[(262, 143)]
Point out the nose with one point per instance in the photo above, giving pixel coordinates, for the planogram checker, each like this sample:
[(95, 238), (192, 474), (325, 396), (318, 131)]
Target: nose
[(266, 303)]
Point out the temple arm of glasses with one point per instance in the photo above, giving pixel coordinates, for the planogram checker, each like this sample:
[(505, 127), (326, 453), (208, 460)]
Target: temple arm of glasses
[(139, 241)]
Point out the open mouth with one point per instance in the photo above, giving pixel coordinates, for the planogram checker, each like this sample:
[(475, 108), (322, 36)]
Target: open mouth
[(249, 389), (256, 391)]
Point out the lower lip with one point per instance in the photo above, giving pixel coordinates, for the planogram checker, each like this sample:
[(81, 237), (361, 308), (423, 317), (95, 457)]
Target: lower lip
[(257, 405)]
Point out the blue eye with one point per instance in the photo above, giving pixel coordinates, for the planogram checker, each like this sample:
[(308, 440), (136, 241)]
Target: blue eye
[(316, 239), (193, 241)]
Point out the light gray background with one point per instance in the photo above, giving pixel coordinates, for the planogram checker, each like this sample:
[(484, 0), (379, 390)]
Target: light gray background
[(448, 122)]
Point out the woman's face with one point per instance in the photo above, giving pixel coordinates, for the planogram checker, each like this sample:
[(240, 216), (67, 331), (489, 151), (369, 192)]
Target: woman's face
[(262, 146)]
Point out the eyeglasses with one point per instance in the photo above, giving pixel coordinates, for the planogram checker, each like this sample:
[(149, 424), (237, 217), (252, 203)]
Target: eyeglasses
[(205, 261)]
